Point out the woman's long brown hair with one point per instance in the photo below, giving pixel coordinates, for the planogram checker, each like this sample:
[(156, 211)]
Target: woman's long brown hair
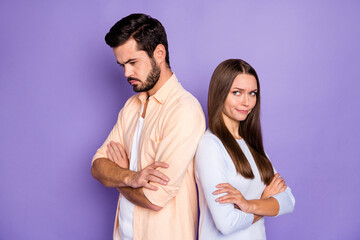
[(249, 129)]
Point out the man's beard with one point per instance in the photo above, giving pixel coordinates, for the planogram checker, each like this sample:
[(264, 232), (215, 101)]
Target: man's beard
[(151, 80)]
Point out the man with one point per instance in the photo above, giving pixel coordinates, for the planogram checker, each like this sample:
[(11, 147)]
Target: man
[(158, 129)]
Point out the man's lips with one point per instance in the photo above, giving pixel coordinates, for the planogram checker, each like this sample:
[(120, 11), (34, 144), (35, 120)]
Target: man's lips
[(133, 81)]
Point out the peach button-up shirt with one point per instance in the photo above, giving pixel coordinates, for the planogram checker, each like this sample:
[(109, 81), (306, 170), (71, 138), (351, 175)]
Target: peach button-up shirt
[(172, 128)]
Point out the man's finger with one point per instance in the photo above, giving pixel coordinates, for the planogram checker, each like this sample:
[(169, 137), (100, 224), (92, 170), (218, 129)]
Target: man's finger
[(116, 151), (159, 175), (150, 186), (122, 151), (155, 179), (108, 155), (159, 164), (112, 152)]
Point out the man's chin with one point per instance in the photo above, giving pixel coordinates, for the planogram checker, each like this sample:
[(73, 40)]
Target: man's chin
[(137, 89), (142, 88)]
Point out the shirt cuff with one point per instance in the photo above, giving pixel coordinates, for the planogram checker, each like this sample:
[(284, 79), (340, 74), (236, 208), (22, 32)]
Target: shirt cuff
[(161, 196), (286, 201)]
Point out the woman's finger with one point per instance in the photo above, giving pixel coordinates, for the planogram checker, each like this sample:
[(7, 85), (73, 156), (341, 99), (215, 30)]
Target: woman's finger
[(227, 200), (278, 182), (283, 188), (222, 198), (276, 176), (222, 185), (224, 190)]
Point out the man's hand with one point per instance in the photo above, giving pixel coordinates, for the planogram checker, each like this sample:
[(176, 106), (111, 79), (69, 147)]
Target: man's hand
[(276, 186), (149, 174), (116, 153)]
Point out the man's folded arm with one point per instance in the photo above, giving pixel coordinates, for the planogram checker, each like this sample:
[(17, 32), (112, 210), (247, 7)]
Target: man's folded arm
[(128, 182), (137, 197), (109, 173), (181, 135)]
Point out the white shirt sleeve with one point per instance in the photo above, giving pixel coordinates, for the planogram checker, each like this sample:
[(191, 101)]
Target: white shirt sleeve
[(286, 200), (211, 167)]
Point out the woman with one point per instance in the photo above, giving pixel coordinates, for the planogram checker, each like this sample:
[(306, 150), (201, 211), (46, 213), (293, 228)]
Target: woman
[(236, 181)]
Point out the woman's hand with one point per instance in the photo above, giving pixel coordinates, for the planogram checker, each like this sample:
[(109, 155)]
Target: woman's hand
[(233, 196), (276, 186), (116, 153)]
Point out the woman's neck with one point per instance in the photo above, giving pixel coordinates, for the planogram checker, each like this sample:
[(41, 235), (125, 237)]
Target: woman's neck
[(232, 125)]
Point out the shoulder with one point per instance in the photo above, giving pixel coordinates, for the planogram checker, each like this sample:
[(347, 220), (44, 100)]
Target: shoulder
[(210, 139), (210, 144), (131, 103), (130, 107), (211, 152), (133, 100), (183, 98), (183, 105)]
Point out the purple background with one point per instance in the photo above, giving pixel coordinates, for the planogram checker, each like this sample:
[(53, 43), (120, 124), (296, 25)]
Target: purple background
[(61, 90)]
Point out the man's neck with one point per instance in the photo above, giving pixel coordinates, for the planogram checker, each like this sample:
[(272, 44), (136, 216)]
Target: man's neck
[(164, 76)]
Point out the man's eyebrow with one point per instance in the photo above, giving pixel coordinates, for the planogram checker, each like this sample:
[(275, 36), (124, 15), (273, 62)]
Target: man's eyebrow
[(130, 60)]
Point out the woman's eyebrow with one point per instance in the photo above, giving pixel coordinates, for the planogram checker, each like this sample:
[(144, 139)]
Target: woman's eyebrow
[(236, 88)]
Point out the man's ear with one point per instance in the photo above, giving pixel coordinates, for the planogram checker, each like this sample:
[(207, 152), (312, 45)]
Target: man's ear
[(159, 54)]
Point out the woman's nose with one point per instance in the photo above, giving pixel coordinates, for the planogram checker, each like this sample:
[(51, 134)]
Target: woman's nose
[(245, 100)]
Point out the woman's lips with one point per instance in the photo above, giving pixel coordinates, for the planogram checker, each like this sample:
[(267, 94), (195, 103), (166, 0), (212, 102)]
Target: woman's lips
[(242, 111)]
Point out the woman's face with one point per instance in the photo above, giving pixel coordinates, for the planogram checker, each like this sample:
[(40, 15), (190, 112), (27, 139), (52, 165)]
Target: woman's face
[(241, 98)]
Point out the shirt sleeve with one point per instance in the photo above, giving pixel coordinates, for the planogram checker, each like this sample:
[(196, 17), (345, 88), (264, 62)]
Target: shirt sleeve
[(181, 134), (211, 169), (285, 199), (115, 135)]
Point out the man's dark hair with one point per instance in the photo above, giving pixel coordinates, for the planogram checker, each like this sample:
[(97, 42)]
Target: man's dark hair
[(148, 32)]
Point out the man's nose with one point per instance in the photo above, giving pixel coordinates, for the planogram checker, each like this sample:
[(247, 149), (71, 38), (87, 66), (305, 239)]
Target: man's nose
[(128, 71)]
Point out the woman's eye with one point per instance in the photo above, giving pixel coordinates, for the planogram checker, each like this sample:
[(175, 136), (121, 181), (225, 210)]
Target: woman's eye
[(132, 63), (236, 93), (253, 94)]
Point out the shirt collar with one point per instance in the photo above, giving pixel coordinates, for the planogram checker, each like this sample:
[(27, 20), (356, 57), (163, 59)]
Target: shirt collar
[(162, 94)]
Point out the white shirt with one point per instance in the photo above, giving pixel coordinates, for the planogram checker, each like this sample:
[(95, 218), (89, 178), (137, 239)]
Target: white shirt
[(213, 165), (126, 208)]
